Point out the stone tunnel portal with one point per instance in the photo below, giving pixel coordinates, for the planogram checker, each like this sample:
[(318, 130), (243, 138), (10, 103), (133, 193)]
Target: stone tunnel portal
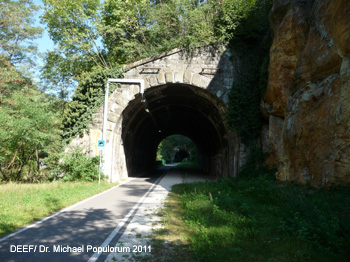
[(175, 108)]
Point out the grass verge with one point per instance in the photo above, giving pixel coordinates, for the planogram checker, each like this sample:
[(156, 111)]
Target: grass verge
[(21, 204), (254, 219)]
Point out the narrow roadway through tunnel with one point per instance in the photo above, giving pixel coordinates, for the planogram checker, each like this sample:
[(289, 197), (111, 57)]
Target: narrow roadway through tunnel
[(86, 224)]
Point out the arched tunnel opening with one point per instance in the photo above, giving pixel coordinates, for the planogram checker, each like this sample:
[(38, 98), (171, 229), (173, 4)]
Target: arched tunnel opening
[(174, 109)]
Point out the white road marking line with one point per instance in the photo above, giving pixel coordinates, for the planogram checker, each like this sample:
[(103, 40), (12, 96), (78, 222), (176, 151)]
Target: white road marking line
[(96, 255)]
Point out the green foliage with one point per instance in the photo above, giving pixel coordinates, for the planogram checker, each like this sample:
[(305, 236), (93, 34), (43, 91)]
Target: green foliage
[(124, 27), (75, 166), (259, 219), (255, 166), (251, 40), (29, 127), (10, 79), (17, 32), (88, 96), (17, 48), (72, 25), (132, 30), (28, 131), (128, 30), (59, 73), (231, 15), (187, 164)]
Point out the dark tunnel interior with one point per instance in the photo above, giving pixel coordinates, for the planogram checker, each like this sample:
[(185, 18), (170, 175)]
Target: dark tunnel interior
[(172, 109)]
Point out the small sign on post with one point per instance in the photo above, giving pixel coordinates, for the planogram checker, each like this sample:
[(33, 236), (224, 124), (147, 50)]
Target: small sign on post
[(101, 146)]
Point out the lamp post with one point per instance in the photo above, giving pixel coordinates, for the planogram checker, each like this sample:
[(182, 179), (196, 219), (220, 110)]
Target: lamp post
[(141, 82)]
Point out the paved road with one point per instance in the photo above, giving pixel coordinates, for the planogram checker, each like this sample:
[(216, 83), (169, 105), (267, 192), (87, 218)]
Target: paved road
[(83, 228), (135, 243)]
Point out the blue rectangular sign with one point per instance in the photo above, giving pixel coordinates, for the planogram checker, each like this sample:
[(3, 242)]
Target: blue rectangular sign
[(101, 143)]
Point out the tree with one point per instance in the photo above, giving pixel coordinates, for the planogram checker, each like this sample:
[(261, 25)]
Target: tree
[(17, 32), (29, 122), (135, 29), (59, 74), (124, 28), (17, 47), (10, 79), (28, 131), (73, 26)]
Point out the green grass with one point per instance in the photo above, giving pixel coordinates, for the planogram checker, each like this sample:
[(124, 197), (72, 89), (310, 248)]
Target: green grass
[(187, 165), (256, 219), (21, 204)]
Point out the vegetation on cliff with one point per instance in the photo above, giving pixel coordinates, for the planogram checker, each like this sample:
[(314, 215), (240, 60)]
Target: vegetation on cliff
[(251, 42)]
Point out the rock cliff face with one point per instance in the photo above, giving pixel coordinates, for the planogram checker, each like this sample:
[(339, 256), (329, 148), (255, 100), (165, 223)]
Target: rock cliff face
[(308, 94)]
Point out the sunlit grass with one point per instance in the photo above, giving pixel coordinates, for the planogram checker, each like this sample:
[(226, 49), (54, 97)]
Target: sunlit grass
[(255, 219), (21, 204)]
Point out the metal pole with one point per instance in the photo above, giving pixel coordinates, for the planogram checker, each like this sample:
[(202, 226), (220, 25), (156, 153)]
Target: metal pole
[(105, 113), (99, 171), (141, 82)]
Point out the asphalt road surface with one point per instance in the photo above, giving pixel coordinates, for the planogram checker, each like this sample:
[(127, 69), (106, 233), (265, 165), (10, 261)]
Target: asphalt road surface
[(79, 232)]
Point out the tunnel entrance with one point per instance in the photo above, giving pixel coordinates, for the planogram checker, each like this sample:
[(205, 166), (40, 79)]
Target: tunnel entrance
[(175, 108)]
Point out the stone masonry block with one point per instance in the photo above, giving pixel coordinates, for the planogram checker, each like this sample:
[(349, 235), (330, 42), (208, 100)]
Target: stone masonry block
[(110, 126), (112, 117), (178, 77), (169, 77), (136, 89), (161, 78), (205, 81), (187, 77), (226, 99), (196, 80), (153, 81), (219, 93), (147, 85), (119, 100)]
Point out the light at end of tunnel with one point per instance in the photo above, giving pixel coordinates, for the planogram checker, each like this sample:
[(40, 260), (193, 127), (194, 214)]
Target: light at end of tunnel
[(160, 131)]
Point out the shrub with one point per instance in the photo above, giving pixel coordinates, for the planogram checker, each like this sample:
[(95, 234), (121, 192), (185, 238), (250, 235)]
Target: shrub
[(76, 166)]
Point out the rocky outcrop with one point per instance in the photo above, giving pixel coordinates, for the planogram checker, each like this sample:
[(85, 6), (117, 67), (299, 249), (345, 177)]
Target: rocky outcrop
[(308, 93)]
